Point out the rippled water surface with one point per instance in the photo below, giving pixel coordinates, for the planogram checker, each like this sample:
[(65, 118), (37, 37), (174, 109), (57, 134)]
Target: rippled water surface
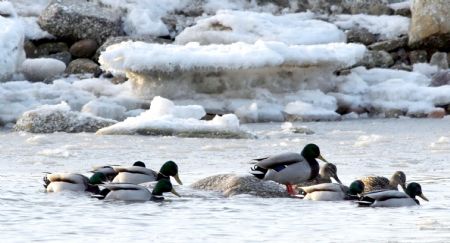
[(420, 148)]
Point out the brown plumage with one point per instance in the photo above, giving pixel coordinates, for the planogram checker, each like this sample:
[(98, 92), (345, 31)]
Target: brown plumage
[(326, 172), (375, 183)]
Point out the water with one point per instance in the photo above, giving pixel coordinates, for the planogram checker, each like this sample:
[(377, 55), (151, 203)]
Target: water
[(419, 147)]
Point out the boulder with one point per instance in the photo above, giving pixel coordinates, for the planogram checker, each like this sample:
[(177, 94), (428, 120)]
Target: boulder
[(83, 65), (59, 118), (373, 7), (63, 56), (42, 69), (80, 19), (49, 48), (439, 59), (361, 35), (390, 45), (440, 79), (418, 56), (84, 48), (430, 25), (30, 49), (373, 59)]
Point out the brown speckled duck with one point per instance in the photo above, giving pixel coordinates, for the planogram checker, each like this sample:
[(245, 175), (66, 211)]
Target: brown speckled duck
[(376, 183)]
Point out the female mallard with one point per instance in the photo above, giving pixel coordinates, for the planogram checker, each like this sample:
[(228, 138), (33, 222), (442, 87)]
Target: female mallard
[(290, 168), (332, 191), (326, 172), (132, 192), (393, 198), (137, 174), (376, 183), (56, 182)]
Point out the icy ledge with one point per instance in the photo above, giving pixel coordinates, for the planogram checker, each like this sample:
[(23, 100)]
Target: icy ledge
[(164, 118)]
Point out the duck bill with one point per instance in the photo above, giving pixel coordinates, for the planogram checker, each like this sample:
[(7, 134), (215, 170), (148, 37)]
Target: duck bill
[(337, 179), (423, 197), (322, 158), (404, 187), (175, 193), (178, 179)]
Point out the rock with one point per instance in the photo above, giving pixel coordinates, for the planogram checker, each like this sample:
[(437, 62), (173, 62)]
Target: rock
[(42, 69), (83, 65), (323, 6), (64, 57), (59, 118), (441, 78), (418, 56), (437, 113), (402, 66), (439, 59), (75, 19), (406, 12), (361, 35), (376, 59), (279, 3), (117, 39), (49, 48), (373, 7), (400, 56), (390, 45), (30, 49), (430, 25), (84, 48)]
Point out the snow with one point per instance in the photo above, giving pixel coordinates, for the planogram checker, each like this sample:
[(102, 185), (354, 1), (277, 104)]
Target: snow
[(139, 56), (32, 29), (309, 112), (165, 118), (12, 36), (400, 5), (377, 75), (227, 27), (388, 27), (425, 69)]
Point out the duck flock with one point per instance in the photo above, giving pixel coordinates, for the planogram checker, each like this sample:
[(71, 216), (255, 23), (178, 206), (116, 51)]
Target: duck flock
[(302, 175)]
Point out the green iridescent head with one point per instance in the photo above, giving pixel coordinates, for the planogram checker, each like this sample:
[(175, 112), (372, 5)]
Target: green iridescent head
[(170, 168), (356, 187), (163, 186), (97, 178), (312, 152), (414, 189)]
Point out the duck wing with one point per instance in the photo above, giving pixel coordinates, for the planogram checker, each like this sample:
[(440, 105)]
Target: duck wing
[(68, 177), (137, 170), (280, 160), (331, 187)]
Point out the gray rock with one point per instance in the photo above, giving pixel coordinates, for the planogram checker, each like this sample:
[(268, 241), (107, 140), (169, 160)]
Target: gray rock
[(80, 19), (418, 56), (373, 7), (361, 35), (42, 69), (402, 66), (84, 48), (400, 56), (439, 59), (83, 65), (324, 6), (118, 39), (430, 26), (406, 12), (48, 121), (49, 48), (440, 79), (30, 49), (279, 3), (373, 59), (390, 45), (64, 57)]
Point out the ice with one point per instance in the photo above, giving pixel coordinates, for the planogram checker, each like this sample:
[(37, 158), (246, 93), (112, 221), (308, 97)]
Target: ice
[(227, 27), (308, 112), (165, 118), (388, 27), (425, 69)]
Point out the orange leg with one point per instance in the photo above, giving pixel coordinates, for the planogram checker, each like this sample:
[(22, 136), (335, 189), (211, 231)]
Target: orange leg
[(290, 190)]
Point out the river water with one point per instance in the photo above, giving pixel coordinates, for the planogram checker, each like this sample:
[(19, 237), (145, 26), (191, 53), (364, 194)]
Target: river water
[(419, 147)]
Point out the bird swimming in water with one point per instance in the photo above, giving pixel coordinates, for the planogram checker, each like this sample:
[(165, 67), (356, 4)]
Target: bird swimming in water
[(57, 182), (332, 191), (376, 183), (393, 198)]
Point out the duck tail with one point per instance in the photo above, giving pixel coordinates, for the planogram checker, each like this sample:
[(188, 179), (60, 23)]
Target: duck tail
[(258, 172), (46, 181), (102, 194), (365, 201)]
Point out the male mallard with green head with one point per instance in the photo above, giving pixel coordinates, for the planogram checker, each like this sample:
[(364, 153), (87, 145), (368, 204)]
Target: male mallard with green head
[(393, 198)]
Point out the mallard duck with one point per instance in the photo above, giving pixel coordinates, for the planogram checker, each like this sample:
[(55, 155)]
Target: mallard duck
[(332, 191), (132, 192), (56, 182), (110, 172), (326, 172), (137, 174), (289, 168), (393, 198), (376, 183), (233, 184)]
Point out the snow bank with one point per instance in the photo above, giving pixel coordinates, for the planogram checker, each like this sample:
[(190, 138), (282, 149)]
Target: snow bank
[(11, 46), (165, 118), (303, 111), (227, 27), (388, 27), (141, 57)]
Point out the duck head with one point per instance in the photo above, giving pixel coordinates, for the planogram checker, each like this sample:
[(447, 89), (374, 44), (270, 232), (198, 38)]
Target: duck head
[(414, 189), (170, 168), (356, 187), (399, 178), (329, 170), (161, 187), (312, 152), (98, 178)]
